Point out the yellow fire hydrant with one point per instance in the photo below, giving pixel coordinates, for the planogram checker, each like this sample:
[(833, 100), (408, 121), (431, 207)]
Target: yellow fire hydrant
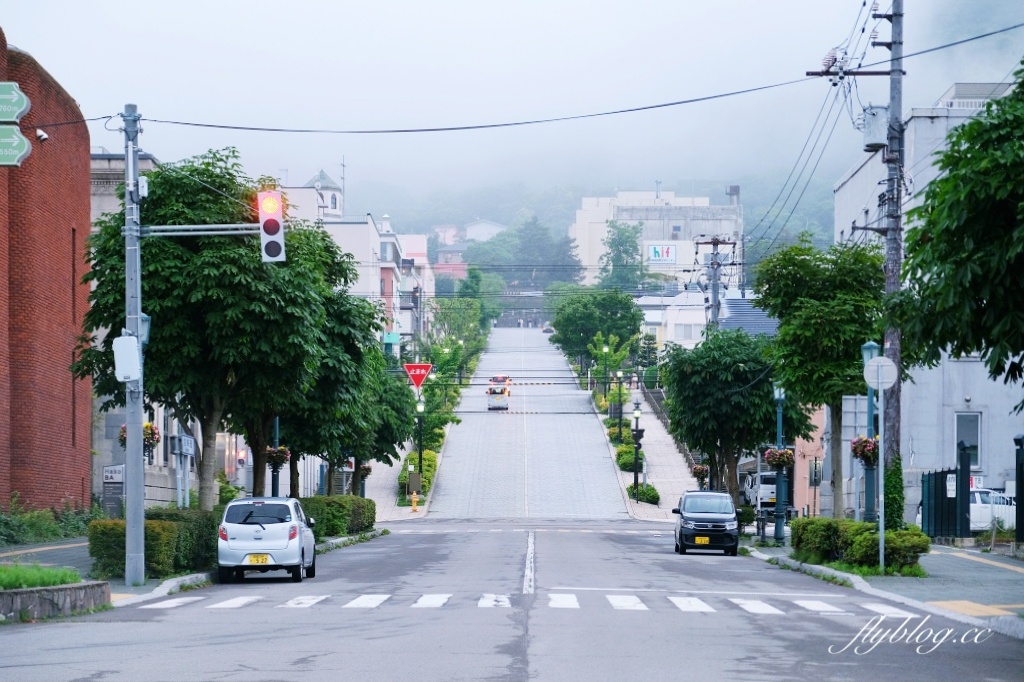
[(415, 500)]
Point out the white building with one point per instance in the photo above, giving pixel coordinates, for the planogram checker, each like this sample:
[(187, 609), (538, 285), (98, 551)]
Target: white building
[(677, 237), (954, 405)]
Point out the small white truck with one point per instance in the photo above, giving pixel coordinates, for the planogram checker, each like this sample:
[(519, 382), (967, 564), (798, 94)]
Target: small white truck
[(767, 485)]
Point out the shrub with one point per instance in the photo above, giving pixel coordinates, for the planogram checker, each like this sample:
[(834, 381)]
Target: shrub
[(744, 515), (648, 493), (625, 460), (338, 515), (74, 523), (196, 545), (816, 539), (902, 548), (12, 529), (39, 525), (106, 547), (429, 467), (821, 540)]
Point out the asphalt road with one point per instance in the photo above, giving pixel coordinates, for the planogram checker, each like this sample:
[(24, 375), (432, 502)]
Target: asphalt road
[(526, 568)]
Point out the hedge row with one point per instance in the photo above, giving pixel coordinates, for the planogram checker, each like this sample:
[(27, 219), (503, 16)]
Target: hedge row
[(648, 493), (338, 515), (819, 540), (429, 468), (106, 547)]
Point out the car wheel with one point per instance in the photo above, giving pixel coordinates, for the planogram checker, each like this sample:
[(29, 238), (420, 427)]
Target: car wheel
[(311, 571), (297, 572), (239, 574), (224, 575), (680, 548)]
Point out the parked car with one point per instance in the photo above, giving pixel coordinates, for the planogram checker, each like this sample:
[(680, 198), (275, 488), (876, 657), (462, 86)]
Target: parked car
[(767, 488), (986, 504), (265, 534), (707, 520)]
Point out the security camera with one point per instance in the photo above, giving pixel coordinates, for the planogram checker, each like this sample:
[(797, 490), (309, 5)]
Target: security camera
[(41, 135)]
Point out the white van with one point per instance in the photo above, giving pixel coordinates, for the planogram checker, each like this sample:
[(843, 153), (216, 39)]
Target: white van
[(497, 397), (767, 488), (987, 503)]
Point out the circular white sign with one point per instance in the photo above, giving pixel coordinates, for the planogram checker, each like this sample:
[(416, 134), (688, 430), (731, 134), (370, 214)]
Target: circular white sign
[(880, 373)]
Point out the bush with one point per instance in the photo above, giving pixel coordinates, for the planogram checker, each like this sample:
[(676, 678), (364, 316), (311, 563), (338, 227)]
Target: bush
[(745, 515), (74, 523), (821, 540), (338, 515), (39, 525), (624, 437), (106, 547), (815, 539), (902, 548), (648, 493), (625, 459), (429, 467), (196, 545), (12, 529)]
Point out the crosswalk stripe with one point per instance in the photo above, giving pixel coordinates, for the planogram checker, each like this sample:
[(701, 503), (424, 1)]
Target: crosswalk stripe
[(494, 600), (756, 606), (431, 601), (691, 604), (887, 610), (367, 601), (172, 603), (563, 601), (303, 602), (817, 606), (236, 603), (626, 602)]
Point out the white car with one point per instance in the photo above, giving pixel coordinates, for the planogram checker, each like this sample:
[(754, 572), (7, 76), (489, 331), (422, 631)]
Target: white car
[(265, 534), (986, 504)]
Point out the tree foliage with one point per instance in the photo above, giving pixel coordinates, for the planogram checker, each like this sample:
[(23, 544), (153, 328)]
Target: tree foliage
[(527, 257), (828, 304), (582, 315), (965, 247), (622, 262), (721, 400)]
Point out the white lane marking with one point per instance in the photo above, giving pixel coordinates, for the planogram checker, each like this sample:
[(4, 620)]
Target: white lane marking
[(367, 601), (817, 606), (302, 602), (528, 573), (431, 601), (756, 606), (236, 603), (626, 602), (887, 610), (563, 601), (691, 605), (172, 603), (494, 600)]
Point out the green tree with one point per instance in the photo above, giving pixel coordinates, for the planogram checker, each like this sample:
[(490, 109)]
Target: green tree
[(231, 335), (828, 304), (965, 248), (582, 315), (621, 263), (721, 401)]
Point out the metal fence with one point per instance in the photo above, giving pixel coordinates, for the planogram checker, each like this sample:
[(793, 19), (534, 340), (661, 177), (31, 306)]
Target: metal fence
[(938, 508)]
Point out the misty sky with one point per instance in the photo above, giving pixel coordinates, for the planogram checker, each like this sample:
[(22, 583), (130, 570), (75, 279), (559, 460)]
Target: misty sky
[(364, 65)]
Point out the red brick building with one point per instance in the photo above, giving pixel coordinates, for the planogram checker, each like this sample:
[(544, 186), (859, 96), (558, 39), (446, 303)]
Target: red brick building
[(45, 414)]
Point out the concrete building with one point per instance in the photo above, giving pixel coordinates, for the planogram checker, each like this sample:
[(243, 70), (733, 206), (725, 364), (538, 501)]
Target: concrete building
[(45, 414), (677, 235), (954, 405), (482, 230)]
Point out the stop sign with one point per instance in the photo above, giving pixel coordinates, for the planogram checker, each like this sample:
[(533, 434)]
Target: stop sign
[(418, 372)]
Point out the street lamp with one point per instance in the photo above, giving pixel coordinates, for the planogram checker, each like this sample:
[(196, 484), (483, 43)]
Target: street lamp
[(637, 435), (869, 351), (419, 434), (781, 486), (604, 351), (618, 400)]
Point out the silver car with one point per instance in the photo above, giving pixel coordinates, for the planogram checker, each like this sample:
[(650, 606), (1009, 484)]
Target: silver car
[(265, 534)]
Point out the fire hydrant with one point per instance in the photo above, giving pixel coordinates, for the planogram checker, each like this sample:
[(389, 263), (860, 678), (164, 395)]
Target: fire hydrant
[(415, 499)]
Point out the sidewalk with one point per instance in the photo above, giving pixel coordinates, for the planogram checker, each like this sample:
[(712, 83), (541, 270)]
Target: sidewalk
[(382, 488)]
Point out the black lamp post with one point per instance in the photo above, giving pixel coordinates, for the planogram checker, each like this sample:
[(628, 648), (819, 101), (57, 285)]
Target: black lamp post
[(869, 351), (618, 400), (419, 435), (637, 435), (604, 351), (780, 473)]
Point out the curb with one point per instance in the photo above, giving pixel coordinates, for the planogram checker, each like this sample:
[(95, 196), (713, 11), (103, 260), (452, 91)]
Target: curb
[(1006, 625), (166, 587)]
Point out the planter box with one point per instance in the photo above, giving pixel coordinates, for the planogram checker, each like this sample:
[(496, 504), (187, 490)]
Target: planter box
[(47, 602)]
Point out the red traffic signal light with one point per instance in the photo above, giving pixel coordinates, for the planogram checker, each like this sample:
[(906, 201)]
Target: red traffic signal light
[(271, 211)]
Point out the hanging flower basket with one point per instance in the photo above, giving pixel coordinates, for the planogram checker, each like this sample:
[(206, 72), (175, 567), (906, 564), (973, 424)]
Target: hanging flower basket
[(279, 456), (779, 459), (365, 470), (150, 436), (701, 473), (865, 449)]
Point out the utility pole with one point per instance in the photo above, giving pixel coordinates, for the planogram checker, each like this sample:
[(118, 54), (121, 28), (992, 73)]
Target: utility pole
[(134, 475), (716, 266), (891, 203)]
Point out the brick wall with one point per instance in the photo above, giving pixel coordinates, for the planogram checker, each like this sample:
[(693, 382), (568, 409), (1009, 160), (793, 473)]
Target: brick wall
[(45, 415)]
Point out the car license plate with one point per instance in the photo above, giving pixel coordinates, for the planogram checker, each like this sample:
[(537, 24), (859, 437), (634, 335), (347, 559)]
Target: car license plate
[(771, 499), (701, 540), (259, 558)]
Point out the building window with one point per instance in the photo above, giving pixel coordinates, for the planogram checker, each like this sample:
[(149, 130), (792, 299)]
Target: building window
[(968, 436), (686, 332), (334, 202)]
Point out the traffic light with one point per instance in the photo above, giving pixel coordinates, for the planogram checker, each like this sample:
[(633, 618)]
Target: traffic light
[(271, 226)]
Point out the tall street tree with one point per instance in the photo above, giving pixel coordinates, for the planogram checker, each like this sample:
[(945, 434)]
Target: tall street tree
[(720, 401), (622, 262), (828, 304), (965, 247), (581, 315)]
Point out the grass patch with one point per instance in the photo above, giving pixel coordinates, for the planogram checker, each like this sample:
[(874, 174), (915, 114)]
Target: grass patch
[(21, 577), (914, 571), (744, 551), (188, 587)]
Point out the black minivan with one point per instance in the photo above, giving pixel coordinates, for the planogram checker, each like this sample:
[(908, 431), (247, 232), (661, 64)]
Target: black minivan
[(707, 520)]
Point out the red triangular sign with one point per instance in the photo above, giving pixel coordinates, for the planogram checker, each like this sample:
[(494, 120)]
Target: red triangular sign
[(418, 371)]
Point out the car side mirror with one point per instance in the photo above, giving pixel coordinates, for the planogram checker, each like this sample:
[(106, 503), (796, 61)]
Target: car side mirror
[(676, 510), (310, 522)]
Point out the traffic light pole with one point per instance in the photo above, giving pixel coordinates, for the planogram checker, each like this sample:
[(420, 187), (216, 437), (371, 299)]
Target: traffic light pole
[(134, 474)]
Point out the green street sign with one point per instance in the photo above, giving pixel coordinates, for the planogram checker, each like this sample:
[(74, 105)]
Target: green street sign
[(13, 103), (14, 147)]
